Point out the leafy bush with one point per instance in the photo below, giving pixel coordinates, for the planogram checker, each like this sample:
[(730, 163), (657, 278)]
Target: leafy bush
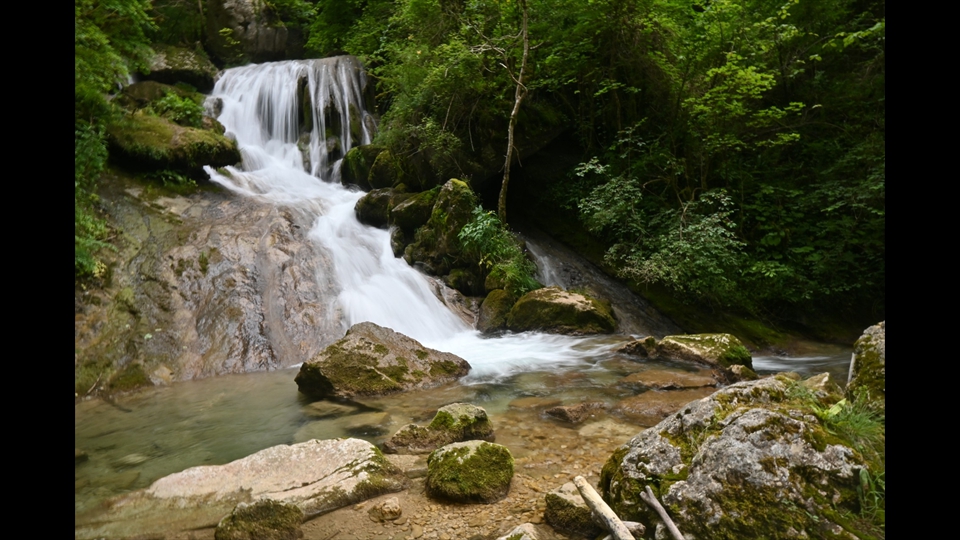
[(182, 110), (485, 237)]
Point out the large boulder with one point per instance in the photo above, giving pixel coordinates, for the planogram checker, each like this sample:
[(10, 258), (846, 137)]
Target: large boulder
[(414, 212), (453, 423), (171, 65), (436, 244), (373, 209), (470, 472), (373, 360), (150, 143), (867, 378), (551, 309), (356, 164), (316, 476), (753, 460), (494, 310)]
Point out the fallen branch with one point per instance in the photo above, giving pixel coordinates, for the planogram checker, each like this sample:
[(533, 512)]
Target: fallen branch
[(618, 531), (651, 499), (635, 528)]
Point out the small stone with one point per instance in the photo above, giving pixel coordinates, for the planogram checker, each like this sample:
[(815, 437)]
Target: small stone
[(386, 510)]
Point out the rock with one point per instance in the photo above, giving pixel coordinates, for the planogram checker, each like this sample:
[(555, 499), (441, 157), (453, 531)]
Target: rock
[(745, 462), (644, 347), (452, 423), (414, 212), (669, 379), (436, 243), (150, 143), (262, 520), (386, 510), (653, 406), (609, 428), (551, 309), (316, 476), (823, 388), (238, 29), (525, 531), (469, 472), (374, 208), (171, 65), (373, 360), (867, 378), (494, 310), (533, 402), (385, 171), (79, 456), (567, 513), (355, 168), (575, 413), (708, 349), (737, 373), (413, 466)]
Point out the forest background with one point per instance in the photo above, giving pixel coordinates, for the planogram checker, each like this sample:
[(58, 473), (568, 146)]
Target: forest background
[(721, 155)]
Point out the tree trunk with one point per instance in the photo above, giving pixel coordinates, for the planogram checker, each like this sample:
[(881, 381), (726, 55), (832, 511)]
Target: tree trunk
[(521, 92)]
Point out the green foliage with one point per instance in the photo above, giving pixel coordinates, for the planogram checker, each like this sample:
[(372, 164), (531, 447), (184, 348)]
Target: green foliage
[(182, 110), (485, 237)]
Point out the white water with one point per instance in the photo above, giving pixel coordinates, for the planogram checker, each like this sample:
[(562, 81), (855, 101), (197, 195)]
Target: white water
[(260, 108)]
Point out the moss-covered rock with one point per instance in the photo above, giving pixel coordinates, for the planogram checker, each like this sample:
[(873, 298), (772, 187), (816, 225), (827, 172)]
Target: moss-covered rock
[(643, 347), (373, 360), (385, 171), (129, 377), (868, 380), (713, 350), (415, 211), (436, 245), (494, 310), (466, 280), (470, 472), (551, 309), (453, 423), (262, 520), (749, 461), (171, 65), (567, 513), (356, 164), (145, 142), (374, 208)]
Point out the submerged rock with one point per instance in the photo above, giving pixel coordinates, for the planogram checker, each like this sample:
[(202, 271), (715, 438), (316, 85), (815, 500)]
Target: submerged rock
[(575, 414), (748, 461), (373, 360), (316, 476), (262, 520), (470, 472), (453, 423), (551, 309), (653, 406), (868, 379)]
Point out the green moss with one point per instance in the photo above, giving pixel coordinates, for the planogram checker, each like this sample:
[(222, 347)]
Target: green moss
[(421, 354), (264, 520), (203, 262), (444, 368), (481, 476), (380, 349), (736, 355), (130, 377)]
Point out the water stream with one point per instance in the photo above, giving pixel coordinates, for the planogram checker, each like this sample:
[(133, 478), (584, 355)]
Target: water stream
[(294, 121)]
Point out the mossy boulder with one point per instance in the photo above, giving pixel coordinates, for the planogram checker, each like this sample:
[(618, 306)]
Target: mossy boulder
[(238, 30), (374, 208), (494, 310), (140, 94), (551, 309), (372, 360), (436, 245), (470, 472), (714, 350), (171, 65), (466, 280), (868, 380), (149, 143), (356, 164), (453, 423), (385, 171), (567, 512), (749, 461), (262, 520), (414, 212)]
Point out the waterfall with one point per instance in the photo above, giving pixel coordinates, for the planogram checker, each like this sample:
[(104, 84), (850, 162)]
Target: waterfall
[(294, 121)]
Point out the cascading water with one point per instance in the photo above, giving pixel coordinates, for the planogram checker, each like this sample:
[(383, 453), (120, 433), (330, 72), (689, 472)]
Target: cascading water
[(294, 121)]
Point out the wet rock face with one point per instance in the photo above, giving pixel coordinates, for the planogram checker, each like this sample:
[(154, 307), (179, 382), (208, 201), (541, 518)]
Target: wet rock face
[(171, 65), (453, 423), (551, 309), (315, 476), (372, 360), (745, 462), (470, 472), (868, 378), (201, 286), (255, 27)]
